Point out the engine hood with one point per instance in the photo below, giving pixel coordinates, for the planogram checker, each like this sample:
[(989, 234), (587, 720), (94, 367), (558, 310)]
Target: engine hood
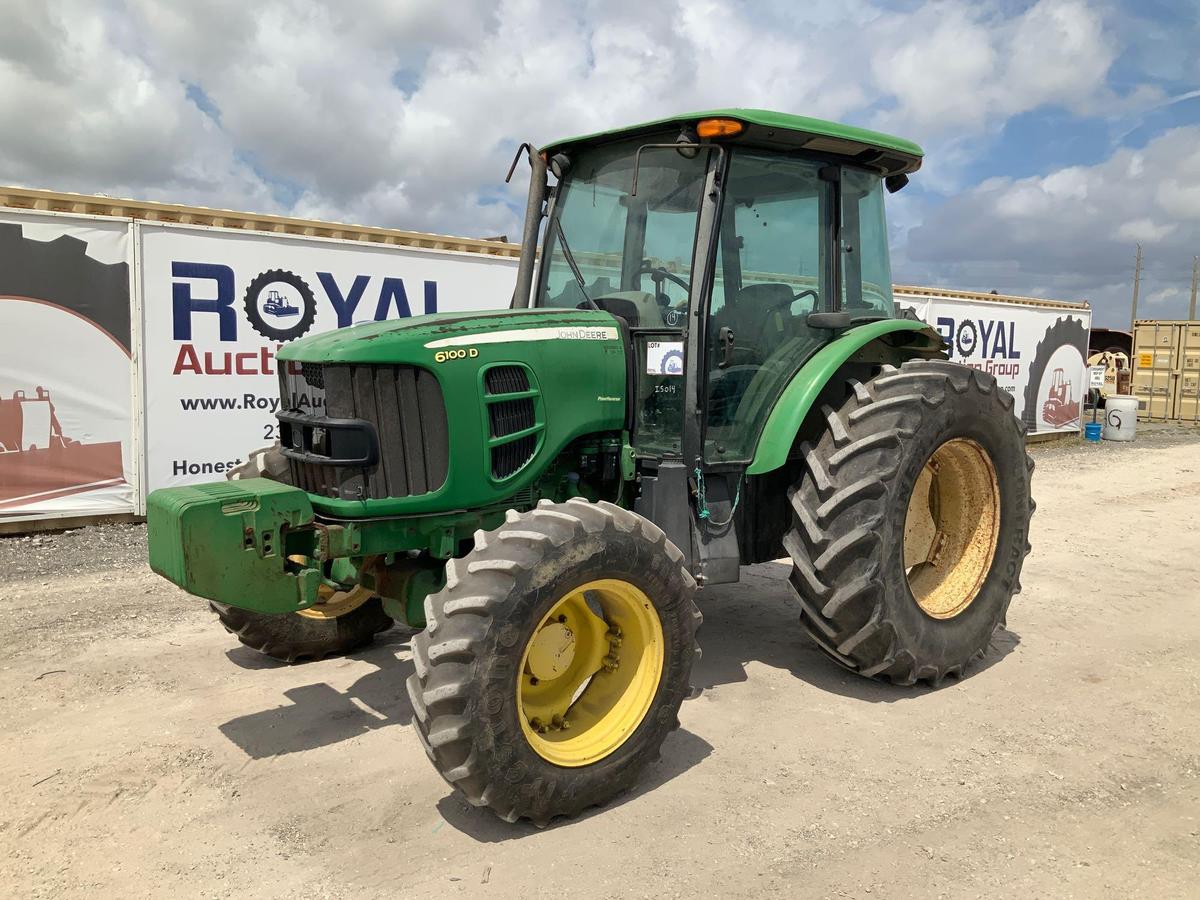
[(573, 385), (427, 340)]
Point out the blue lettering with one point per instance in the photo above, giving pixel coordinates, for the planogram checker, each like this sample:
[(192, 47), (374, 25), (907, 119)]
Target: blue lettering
[(985, 329), (183, 304), (430, 297), (393, 289), (1013, 352), (1001, 348), (945, 327), (344, 306)]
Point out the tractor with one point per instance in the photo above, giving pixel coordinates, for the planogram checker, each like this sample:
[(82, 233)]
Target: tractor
[(1061, 408), (701, 368)]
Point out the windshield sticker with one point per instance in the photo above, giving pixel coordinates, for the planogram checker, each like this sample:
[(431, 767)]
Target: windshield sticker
[(664, 357)]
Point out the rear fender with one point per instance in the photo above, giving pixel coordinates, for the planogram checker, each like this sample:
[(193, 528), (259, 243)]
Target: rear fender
[(890, 341)]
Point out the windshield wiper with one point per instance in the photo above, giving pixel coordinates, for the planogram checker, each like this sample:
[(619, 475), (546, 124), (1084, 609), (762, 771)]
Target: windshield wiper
[(570, 258)]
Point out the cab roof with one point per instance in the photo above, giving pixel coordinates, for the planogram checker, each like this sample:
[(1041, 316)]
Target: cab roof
[(782, 131)]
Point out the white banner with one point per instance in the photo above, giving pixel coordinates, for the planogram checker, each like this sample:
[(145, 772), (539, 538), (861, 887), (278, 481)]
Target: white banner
[(1037, 353), (66, 436), (217, 304)]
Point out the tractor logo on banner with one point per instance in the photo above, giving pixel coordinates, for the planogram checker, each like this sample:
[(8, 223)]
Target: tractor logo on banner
[(65, 379), (1053, 394), (280, 305)]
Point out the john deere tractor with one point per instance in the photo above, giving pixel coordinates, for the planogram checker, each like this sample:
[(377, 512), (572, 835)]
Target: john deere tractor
[(702, 368)]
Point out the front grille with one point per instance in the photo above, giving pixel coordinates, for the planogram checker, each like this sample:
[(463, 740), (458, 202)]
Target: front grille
[(510, 416), (506, 380), (403, 404), (508, 458), (313, 374)]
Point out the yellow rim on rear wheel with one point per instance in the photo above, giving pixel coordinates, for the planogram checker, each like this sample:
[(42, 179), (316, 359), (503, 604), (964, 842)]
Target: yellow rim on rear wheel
[(952, 527), (589, 673)]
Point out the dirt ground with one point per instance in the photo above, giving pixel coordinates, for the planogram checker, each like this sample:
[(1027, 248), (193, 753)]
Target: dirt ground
[(144, 753)]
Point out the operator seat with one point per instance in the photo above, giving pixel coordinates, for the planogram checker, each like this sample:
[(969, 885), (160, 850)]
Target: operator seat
[(757, 315)]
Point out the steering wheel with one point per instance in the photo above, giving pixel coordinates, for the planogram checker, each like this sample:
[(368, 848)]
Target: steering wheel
[(658, 274), (788, 301)]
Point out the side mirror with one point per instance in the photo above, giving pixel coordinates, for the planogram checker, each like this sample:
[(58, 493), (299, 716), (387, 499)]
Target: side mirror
[(894, 183)]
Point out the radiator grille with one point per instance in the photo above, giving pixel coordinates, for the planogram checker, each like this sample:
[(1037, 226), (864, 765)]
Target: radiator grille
[(508, 458), (509, 416), (406, 408), (505, 380)]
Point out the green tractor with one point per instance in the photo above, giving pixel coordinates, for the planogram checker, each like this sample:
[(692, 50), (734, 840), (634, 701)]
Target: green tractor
[(702, 368)]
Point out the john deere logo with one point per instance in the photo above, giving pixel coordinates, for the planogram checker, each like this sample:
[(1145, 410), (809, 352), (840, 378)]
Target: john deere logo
[(280, 305)]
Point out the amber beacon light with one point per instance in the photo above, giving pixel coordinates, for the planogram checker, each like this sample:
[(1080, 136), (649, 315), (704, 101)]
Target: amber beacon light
[(719, 128)]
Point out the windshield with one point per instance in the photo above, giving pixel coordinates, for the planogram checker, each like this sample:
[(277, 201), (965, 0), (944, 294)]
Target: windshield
[(633, 251)]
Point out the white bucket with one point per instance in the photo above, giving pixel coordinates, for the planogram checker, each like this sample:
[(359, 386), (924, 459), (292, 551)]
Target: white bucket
[(1120, 417)]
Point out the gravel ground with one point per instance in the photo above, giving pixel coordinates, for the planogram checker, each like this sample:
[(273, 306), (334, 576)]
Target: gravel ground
[(147, 754)]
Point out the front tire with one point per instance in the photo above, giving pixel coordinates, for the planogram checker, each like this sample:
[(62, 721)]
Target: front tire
[(911, 522), (555, 659), (343, 623)]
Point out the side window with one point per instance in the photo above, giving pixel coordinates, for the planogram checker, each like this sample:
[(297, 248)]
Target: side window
[(770, 274), (866, 274)]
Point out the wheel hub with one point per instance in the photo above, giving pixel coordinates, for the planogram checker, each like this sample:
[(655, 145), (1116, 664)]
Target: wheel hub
[(551, 651), (590, 672), (952, 528)]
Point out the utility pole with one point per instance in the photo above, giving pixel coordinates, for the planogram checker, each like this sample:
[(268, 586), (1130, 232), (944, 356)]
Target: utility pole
[(1192, 302), (1137, 282)]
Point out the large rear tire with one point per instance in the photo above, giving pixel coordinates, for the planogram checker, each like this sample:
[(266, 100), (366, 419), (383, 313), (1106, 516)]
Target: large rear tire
[(911, 522), (555, 659)]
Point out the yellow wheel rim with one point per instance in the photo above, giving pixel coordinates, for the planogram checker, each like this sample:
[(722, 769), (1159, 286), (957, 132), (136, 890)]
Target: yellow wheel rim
[(952, 527), (336, 603), (589, 673)]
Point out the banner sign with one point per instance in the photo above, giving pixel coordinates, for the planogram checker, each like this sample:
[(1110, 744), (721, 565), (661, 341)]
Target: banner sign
[(66, 375), (1036, 353), (218, 304)]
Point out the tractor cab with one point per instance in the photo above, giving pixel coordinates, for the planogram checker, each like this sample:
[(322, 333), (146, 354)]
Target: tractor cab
[(732, 246)]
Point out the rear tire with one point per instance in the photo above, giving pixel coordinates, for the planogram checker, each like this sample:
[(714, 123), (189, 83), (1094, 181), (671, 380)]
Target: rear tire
[(851, 508), (473, 663), (295, 637)]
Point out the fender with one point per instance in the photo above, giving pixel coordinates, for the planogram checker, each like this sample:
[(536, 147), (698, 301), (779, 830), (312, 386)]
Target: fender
[(895, 341)]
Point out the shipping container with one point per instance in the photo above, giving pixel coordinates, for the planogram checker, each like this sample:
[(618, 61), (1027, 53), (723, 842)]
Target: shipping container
[(1166, 373)]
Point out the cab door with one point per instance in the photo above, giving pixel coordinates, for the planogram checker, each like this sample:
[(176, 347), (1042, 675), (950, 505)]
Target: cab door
[(773, 268)]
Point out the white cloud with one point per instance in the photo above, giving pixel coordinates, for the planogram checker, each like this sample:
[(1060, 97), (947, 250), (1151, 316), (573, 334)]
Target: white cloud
[(407, 113), (1073, 231)]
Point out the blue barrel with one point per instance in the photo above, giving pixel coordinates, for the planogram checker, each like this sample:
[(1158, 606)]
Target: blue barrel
[(1091, 431)]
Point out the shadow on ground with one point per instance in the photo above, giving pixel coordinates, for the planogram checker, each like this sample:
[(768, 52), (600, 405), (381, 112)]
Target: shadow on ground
[(681, 751), (757, 620), (317, 715)]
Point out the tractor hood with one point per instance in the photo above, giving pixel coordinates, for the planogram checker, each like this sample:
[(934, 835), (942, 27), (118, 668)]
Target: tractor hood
[(514, 388), (429, 340)]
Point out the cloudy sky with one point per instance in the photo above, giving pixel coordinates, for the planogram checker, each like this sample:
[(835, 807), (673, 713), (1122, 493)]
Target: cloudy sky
[(1058, 133)]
